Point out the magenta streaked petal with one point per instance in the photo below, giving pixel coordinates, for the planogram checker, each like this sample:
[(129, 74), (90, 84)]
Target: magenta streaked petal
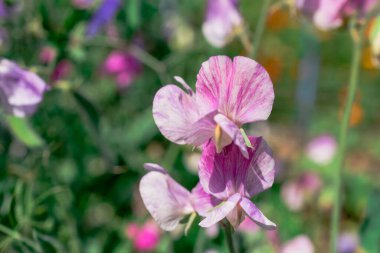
[(241, 90), (203, 202), (166, 200), (233, 132), (256, 215), (221, 211), (154, 167), (177, 115), (229, 171)]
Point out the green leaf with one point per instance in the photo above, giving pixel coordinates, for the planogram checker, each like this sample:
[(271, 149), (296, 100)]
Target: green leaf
[(369, 231), (21, 129), (88, 109), (133, 13)]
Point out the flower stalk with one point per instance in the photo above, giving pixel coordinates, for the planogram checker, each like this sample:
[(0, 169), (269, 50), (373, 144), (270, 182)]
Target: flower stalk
[(230, 240), (260, 27), (353, 82)]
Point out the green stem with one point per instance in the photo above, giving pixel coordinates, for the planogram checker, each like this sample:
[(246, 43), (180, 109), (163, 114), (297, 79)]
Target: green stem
[(354, 76), (230, 240), (260, 27)]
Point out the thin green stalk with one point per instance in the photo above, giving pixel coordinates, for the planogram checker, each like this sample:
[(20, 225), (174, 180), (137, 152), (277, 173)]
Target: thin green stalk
[(230, 241), (260, 27), (354, 76)]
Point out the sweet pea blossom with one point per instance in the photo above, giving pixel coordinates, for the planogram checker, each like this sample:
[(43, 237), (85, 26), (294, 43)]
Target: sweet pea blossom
[(222, 19), (330, 14), (229, 93), (228, 181), (301, 243), (145, 237), (20, 90)]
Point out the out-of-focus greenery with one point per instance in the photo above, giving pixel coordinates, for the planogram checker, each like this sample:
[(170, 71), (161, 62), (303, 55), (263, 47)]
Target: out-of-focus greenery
[(69, 174)]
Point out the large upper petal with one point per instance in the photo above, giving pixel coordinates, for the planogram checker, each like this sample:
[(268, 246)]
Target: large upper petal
[(166, 200), (256, 215), (240, 89), (230, 172), (179, 117)]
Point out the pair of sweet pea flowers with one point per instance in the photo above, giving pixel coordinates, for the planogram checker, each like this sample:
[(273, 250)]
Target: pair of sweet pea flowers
[(229, 93)]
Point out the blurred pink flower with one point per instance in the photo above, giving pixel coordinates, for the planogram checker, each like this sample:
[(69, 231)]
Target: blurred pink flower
[(348, 243), (228, 181), (48, 54), (82, 4), (248, 226), (222, 19), (146, 237), (228, 95), (301, 243), (322, 149), (295, 193), (329, 14), (212, 231), (20, 90), (61, 71), (125, 66)]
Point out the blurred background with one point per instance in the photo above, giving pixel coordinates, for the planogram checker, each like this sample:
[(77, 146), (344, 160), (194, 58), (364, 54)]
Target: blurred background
[(69, 174)]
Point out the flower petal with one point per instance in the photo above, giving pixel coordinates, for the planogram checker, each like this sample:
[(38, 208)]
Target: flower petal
[(166, 200), (155, 167), (230, 172), (256, 215), (220, 211), (241, 90), (177, 115), (233, 132), (202, 201)]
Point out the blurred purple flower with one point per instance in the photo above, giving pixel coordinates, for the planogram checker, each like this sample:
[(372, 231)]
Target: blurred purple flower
[(20, 90), (322, 149), (295, 193), (124, 65), (228, 95), (228, 181), (7, 10), (348, 243), (144, 238), (103, 15), (329, 14), (222, 20), (301, 243), (166, 200)]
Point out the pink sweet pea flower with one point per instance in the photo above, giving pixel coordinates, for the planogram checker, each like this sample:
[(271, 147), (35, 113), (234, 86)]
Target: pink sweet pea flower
[(330, 14), (228, 95), (146, 237), (228, 181), (222, 18), (301, 243), (166, 200), (322, 149)]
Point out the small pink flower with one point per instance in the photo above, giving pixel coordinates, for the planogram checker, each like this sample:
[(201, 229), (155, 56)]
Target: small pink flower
[(48, 54), (300, 244), (61, 71), (228, 95), (348, 243), (248, 226), (228, 181), (322, 149), (82, 4), (146, 237), (222, 18), (296, 192)]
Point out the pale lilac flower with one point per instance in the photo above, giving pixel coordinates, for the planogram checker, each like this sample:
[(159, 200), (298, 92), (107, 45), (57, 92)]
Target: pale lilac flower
[(144, 238), (296, 192), (301, 243), (103, 15), (348, 243), (124, 66), (330, 14), (228, 181), (166, 200), (322, 149), (228, 95), (222, 20), (20, 90)]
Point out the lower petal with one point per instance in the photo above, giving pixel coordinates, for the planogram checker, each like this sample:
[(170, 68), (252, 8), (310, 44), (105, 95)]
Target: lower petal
[(256, 215), (221, 211)]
